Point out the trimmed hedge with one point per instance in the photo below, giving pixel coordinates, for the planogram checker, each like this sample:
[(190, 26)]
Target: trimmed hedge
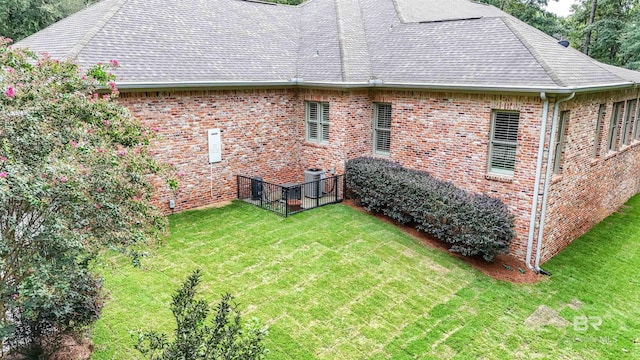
[(474, 224)]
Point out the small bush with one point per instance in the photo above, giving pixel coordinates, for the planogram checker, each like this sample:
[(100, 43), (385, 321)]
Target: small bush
[(44, 313), (474, 224), (225, 338)]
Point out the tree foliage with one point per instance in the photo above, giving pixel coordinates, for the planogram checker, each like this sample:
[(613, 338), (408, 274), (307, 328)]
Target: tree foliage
[(614, 33), (225, 338), (532, 12), (21, 18), (73, 179)]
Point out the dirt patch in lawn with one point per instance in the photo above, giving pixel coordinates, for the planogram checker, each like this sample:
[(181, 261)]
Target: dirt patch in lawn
[(504, 267), (546, 316)]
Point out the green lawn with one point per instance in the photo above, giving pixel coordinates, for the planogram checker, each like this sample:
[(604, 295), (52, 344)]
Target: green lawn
[(334, 283)]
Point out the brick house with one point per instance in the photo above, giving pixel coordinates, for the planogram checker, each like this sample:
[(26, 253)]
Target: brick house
[(456, 88)]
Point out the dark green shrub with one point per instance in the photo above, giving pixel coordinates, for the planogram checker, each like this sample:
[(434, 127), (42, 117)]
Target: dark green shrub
[(225, 338), (474, 224)]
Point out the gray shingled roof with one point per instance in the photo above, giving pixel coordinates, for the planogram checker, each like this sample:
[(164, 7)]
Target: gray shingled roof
[(350, 43)]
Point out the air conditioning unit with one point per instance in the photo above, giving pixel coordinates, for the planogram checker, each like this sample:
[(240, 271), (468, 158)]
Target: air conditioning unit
[(314, 183)]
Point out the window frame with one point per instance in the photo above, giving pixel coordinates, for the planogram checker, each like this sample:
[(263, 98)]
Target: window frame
[(377, 129), (636, 126), (493, 142), (322, 121), (614, 126), (559, 143), (597, 144), (627, 122)]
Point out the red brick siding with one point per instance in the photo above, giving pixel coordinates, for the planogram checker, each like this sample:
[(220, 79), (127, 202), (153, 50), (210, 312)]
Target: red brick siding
[(445, 134), (257, 132), (589, 189)]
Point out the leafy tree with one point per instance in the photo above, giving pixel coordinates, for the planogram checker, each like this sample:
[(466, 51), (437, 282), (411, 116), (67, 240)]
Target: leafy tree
[(74, 178), (225, 338), (611, 35), (21, 18), (630, 42), (532, 12)]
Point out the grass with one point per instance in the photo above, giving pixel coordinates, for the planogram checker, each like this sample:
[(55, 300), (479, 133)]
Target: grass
[(334, 283)]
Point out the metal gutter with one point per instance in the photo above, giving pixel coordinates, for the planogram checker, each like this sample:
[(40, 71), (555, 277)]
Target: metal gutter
[(548, 176), (371, 84), (536, 186)]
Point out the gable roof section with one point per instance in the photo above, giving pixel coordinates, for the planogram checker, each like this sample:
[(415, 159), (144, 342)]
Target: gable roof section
[(457, 44)]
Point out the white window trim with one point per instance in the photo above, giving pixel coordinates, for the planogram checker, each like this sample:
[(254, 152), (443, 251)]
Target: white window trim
[(376, 129)]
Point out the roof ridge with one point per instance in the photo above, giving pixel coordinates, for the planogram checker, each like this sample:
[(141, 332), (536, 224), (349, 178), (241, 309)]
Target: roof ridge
[(354, 49), (366, 41), (80, 45), (550, 72), (341, 44), (298, 50)]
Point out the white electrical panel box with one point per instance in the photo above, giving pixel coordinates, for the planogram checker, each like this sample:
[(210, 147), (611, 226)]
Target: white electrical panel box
[(215, 145)]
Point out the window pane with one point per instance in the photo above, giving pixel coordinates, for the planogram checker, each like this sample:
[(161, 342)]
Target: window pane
[(383, 141), (325, 113), (506, 127), (312, 130), (559, 146), (313, 111), (384, 116), (504, 136), (325, 132), (597, 140), (503, 158), (317, 119), (614, 125)]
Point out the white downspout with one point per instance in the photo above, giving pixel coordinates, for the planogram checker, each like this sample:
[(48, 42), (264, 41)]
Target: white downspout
[(547, 178), (536, 186)]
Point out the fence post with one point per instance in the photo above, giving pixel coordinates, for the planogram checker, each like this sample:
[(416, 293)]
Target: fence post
[(318, 191), (285, 193)]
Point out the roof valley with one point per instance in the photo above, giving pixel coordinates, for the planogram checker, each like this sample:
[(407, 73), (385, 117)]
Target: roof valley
[(78, 47)]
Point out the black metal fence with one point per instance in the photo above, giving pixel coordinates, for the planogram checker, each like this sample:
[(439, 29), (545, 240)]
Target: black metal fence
[(289, 199)]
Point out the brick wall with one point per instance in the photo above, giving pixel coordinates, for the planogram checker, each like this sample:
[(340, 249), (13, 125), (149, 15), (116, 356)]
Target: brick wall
[(445, 134), (257, 128), (589, 188)]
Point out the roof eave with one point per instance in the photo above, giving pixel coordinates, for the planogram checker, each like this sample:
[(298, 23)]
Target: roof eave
[(183, 85)]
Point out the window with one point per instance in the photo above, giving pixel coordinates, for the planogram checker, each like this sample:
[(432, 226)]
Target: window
[(382, 129), (636, 126), (632, 114), (627, 127), (504, 136), (317, 116), (598, 140), (616, 116), (559, 145)]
